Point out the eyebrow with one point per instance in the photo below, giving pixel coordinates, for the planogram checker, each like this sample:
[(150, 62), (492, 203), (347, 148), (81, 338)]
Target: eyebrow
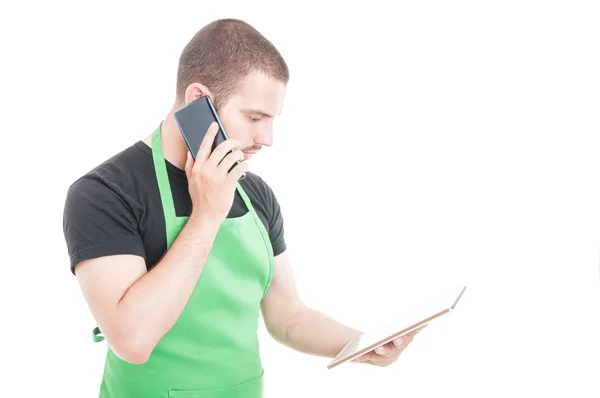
[(258, 112)]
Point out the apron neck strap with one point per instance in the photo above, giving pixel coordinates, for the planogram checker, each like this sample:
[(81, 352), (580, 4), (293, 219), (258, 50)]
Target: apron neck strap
[(162, 177), (245, 197)]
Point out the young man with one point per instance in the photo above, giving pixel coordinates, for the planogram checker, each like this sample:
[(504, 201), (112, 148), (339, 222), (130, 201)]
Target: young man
[(176, 259)]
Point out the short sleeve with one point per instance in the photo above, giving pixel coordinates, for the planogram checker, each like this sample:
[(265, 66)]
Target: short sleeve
[(274, 218), (98, 222)]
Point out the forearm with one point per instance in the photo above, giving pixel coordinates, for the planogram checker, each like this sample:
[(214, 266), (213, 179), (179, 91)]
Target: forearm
[(312, 332), (152, 305)]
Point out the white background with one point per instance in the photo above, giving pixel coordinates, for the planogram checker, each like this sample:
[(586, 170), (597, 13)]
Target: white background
[(421, 144)]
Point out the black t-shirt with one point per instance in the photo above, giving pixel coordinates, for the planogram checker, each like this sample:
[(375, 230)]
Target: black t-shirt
[(116, 208)]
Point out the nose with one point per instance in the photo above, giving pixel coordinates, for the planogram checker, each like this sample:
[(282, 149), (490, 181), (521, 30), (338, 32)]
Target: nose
[(264, 136)]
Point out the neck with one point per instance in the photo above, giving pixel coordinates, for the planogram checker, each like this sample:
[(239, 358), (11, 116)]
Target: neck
[(174, 148)]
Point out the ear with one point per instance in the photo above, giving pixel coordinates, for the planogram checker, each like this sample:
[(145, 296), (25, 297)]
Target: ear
[(195, 91)]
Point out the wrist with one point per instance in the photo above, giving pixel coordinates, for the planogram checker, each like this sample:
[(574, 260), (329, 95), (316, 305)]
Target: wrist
[(204, 222)]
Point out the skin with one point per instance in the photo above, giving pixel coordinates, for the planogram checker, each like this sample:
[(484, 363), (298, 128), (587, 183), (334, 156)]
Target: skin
[(135, 308)]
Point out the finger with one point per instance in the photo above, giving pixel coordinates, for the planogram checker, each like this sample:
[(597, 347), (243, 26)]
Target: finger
[(398, 341), (237, 172), (362, 358), (385, 350), (207, 141), (416, 331), (229, 161), (221, 151), (407, 338), (189, 165)]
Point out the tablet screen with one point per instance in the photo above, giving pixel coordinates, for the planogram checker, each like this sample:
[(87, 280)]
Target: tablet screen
[(405, 321)]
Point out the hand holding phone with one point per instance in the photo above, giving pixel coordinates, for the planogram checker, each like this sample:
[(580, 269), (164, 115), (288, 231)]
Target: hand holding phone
[(213, 166), (213, 176), (194, 120)]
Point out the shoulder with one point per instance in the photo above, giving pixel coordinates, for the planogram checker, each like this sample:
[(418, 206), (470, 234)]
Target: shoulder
[(113, 183), (258, 189), (114, 174), (103, 207)]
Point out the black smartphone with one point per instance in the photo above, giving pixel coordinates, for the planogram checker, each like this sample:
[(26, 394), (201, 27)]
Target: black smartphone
[(194, 120)]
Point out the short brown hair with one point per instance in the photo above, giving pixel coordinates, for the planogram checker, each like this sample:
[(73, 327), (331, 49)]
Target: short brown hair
[(224, 52)]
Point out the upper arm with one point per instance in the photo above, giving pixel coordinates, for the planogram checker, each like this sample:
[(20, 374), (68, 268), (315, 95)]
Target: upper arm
[(98, 222), (282, 299), (104, 281), (104, 246)]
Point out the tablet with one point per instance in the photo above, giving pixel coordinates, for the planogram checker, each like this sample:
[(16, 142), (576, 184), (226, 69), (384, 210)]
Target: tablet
[(416, 317)]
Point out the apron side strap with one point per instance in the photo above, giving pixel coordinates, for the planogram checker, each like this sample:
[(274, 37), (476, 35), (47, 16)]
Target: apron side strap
[(97, 336)]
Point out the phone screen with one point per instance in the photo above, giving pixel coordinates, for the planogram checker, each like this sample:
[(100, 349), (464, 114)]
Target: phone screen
[(194, 120)]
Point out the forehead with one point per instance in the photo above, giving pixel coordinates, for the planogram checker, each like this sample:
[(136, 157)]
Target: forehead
[(261, 92)]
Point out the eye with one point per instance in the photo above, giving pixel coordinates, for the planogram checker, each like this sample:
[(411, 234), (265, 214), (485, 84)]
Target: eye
[(255, 118)]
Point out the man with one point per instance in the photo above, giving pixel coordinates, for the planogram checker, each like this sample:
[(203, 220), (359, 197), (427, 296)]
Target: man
[(176, 258)]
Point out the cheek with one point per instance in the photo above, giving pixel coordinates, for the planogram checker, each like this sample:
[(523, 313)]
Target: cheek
[(236, 127)]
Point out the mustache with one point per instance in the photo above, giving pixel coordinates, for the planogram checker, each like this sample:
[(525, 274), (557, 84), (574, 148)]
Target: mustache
[(253, 148)]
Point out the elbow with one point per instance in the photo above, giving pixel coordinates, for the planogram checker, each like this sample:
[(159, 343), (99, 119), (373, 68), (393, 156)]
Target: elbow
[(282, 326), (133, 356), (134, 349)]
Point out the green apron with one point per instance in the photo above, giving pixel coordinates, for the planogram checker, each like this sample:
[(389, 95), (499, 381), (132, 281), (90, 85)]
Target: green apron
[(212, 350)]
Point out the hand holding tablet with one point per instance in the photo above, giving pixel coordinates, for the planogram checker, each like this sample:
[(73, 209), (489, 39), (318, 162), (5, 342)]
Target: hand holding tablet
[(386, 342)]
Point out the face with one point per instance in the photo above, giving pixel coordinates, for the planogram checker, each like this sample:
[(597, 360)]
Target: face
[(248, 114)]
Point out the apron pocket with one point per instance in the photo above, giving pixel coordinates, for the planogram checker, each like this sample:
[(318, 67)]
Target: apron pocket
[(248, 389)]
